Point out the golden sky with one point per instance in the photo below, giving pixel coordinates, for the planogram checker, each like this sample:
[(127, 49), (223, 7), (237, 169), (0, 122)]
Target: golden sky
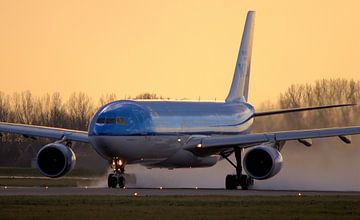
[(175, 48)]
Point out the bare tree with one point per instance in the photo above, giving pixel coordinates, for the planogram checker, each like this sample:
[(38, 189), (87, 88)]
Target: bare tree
[(146, 96), (104, 99), (322, 92), (58, 113), (80, 110), (5, 108), (23, 104), (42, 110)]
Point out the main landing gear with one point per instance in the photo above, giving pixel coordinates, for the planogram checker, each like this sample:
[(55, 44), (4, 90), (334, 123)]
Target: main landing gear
[(117, 177), (233, 181)]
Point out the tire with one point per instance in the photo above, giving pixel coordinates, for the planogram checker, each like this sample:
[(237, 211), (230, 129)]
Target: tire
[(121, 182), (112, 181), (231, 182), (246, 182)]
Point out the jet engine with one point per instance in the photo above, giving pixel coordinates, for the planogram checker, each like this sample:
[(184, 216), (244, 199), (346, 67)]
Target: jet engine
[(55, 160), (262, 162)]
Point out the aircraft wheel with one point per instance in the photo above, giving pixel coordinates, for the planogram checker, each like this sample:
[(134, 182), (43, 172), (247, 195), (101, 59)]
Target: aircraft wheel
[(121, 181), (112, 181), (231, 182), (245, 182)]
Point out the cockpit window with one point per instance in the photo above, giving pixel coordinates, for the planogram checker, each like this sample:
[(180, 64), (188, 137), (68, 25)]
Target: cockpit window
[(100, 120), (118, 120), (110, 121), (121, 121)]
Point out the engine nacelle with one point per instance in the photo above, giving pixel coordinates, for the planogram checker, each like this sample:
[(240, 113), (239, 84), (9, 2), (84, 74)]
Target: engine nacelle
[(55, 160), (262, 162)]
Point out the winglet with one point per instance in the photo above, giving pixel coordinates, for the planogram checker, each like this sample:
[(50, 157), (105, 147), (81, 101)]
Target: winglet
[(240, 84)]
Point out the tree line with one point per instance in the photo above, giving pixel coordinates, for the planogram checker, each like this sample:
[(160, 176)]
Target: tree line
[(321, 92), (51, 110), (47, 110)]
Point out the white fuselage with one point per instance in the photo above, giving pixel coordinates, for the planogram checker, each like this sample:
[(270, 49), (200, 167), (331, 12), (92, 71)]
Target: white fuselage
[(154, 133)]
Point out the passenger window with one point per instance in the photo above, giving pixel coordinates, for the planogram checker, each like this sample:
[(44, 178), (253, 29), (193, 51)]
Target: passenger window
[(110, 121), (120, 121), (100, 120)]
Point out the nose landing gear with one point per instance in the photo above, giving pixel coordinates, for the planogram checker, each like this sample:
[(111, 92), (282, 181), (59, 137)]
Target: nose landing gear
[(117, 177)]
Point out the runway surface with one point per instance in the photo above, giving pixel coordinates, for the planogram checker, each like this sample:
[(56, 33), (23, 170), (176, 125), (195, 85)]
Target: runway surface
[(43, 191)]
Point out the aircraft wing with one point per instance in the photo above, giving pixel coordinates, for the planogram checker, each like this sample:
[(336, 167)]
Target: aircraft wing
[(47, 132), (212, 144), (282, 111)]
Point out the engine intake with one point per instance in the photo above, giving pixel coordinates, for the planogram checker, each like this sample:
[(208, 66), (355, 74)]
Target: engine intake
[(263, 162), (55, 160)]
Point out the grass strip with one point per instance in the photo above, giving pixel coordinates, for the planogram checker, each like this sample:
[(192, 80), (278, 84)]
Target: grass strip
[(180, 207)]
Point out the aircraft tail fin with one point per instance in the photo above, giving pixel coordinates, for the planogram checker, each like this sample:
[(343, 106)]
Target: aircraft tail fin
[(240, 84)]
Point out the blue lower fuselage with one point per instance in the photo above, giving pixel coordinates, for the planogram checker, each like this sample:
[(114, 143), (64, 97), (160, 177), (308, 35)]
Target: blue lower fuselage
[(153, 132)]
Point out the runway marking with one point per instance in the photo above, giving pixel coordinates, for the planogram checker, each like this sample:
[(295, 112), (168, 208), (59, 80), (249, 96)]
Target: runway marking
[(47, 178), (7, 190)]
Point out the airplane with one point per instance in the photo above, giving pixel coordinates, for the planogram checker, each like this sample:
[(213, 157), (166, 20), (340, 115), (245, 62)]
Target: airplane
[(181, 134)]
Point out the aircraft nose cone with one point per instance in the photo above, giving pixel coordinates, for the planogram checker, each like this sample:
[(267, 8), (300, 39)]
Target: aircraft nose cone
[(128, 148)]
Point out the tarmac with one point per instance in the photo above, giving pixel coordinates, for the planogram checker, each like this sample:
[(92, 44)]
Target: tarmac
[(85, 191)]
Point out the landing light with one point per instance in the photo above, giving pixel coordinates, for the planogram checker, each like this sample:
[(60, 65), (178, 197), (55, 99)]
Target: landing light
[(135, 194), (178, 140), (119, 162), (199, 145)]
